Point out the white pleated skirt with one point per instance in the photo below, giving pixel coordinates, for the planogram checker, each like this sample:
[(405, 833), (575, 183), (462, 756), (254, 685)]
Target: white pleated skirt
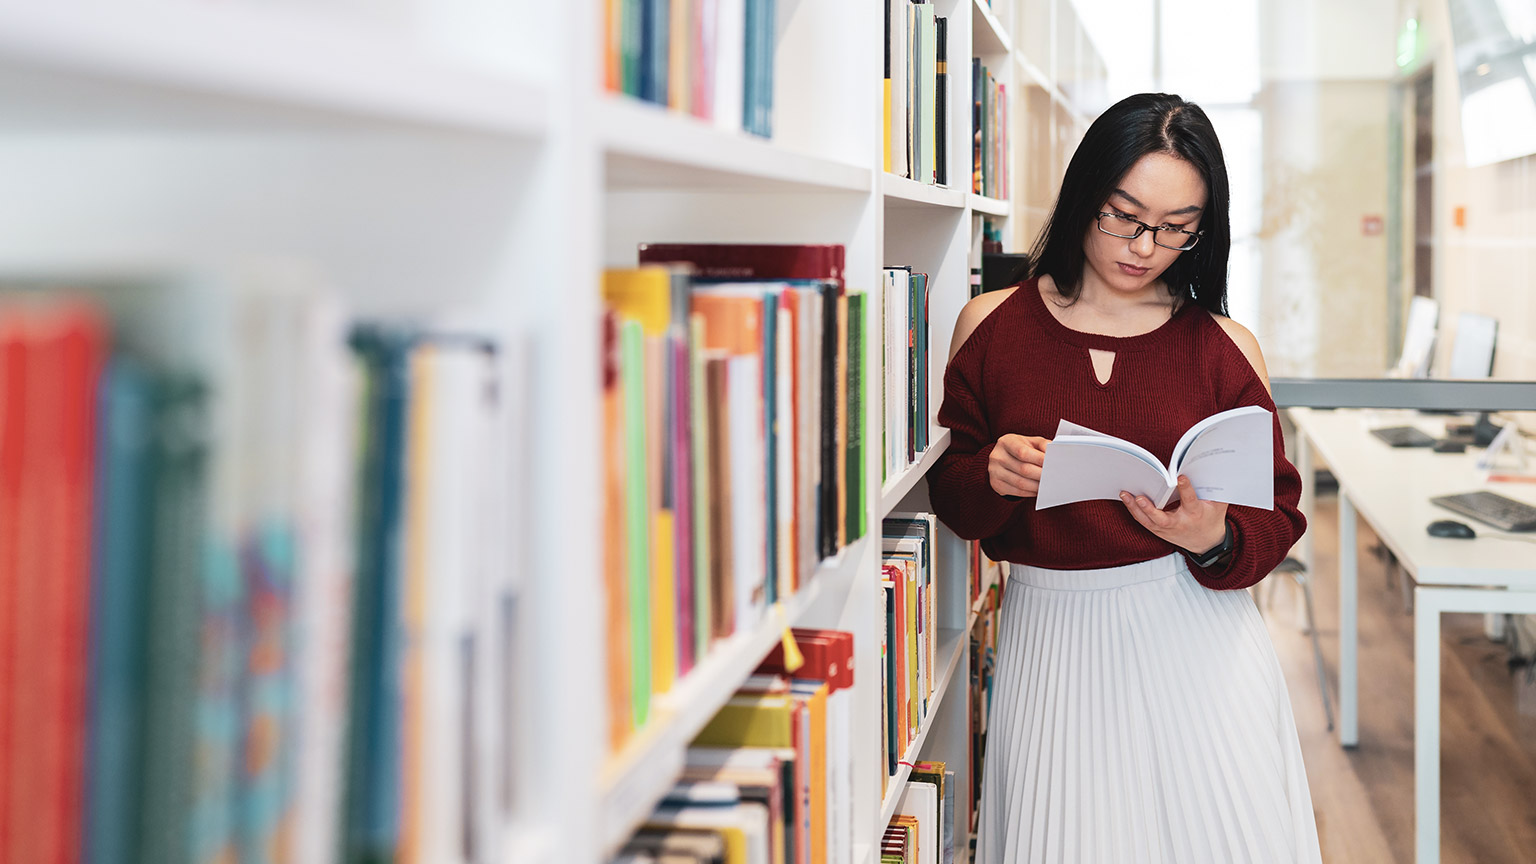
[(1138, 716)]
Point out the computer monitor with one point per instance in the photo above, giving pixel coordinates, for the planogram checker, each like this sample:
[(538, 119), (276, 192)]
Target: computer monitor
[(1472, 351), (1418, 338)]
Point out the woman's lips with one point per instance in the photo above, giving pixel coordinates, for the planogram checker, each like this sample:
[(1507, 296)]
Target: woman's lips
[(1132, 271)]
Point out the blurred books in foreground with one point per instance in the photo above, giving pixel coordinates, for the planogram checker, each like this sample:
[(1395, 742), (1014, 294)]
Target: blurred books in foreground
[(249, 583)]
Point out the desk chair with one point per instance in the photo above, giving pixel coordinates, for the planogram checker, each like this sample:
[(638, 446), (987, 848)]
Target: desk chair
[(1298, 573)]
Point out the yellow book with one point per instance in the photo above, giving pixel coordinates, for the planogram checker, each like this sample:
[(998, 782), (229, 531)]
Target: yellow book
[(663, 603), (735, 845), (750, 721), (642, 294), (818, 704), (887, 124)]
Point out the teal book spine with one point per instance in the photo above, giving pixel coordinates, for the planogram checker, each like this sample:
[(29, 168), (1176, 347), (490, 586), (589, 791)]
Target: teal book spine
[(179, 556), (118, 675), (371, 816)]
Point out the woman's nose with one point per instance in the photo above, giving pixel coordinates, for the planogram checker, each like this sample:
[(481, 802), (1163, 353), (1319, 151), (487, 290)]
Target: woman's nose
[(1143, 245)]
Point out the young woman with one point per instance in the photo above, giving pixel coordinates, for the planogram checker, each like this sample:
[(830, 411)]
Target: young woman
[(1139, 712)]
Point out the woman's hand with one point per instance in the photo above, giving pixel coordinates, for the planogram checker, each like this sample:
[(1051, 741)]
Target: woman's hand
[(1014, 466), (1195, 525)]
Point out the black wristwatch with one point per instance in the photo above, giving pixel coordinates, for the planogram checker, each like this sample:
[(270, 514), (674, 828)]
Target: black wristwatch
[(1219, 554)]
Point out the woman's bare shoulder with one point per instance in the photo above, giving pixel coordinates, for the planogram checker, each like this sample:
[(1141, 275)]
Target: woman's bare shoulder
[(973, 313), (1247, 343)]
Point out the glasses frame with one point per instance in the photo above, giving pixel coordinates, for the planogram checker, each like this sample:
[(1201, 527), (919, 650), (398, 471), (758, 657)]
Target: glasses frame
[(1143, 227)]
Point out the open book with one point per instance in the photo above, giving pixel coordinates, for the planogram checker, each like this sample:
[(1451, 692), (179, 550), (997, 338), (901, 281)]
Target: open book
[(1228, 457)]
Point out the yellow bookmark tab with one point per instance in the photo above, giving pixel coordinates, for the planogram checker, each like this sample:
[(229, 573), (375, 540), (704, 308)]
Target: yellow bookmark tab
[(793, 659)]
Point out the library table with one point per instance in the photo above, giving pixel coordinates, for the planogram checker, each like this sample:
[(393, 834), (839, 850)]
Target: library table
[(1390, 488)]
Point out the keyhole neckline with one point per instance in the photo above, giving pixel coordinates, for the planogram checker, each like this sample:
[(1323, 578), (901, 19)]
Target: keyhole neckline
[(1099, 341)]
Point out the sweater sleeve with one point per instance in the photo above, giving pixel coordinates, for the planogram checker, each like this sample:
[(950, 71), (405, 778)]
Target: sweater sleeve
[(958, 486), (1262, 538)]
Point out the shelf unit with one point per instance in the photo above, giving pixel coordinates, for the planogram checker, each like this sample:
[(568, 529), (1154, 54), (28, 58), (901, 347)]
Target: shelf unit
[(407, 153)]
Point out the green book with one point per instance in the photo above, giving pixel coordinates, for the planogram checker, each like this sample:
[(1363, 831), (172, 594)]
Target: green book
[(637, 514), (856, 516), (178, 475)]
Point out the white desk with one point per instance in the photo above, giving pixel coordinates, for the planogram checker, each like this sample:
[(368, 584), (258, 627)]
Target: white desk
[(1390, 488)]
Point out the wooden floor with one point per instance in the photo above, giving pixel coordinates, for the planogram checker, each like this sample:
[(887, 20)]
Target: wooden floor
[(1364, 797)]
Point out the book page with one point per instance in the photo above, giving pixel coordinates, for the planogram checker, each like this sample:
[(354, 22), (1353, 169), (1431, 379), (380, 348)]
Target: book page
[(1230, 457), (1097, 468)]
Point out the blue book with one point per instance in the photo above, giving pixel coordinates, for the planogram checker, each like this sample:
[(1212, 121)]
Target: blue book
[(372, 800), (118, 595)]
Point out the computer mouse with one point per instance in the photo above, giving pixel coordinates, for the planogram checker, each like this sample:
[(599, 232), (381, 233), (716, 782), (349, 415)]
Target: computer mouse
[(1450, 528)]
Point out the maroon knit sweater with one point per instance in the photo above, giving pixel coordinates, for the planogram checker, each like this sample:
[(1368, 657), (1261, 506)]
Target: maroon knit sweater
[(1021, 371)]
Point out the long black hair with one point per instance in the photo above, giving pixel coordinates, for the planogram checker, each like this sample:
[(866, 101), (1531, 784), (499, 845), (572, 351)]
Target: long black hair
[(1130, 129)]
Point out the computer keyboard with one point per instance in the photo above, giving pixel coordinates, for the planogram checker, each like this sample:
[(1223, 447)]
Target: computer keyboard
[(1490, 508), (1403, 436)]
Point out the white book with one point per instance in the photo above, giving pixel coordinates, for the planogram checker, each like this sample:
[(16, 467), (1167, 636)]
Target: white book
[(454, 546), (784, 439), (900, 100), (730, 64), (922, 801), (1228, 456), (749, 494), (808, 442), (842, 707), (928, 96), (324, 585)]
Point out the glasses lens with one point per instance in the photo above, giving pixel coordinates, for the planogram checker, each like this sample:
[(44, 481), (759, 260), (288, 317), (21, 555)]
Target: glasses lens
[(1180, 240), (1119, 226)]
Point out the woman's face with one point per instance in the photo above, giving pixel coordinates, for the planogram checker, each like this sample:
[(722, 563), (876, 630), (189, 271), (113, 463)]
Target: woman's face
[(1160, 190)]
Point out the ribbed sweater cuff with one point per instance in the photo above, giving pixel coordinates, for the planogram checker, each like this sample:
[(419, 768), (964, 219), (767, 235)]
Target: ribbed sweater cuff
[(1250, 561)]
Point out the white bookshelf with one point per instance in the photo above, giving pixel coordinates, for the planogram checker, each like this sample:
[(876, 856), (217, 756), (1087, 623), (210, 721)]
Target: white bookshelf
[(459, 160), (897, 488), (989, 206)]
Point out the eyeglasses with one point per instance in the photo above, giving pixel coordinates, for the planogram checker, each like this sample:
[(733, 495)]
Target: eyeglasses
[(1126, 228)]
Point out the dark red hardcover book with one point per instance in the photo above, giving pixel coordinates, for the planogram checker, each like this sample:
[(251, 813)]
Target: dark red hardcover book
[(751, 260), (828, 657)]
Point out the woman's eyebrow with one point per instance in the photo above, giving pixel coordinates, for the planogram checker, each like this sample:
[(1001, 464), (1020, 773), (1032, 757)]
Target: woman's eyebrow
[(1191, 209)]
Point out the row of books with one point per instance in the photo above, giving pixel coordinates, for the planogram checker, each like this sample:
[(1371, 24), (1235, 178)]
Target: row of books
[(909, 637), (248, 583), (733, 449), (916, 92), (713, 59), (904, 393), (989, 120), (983, 648), (923, 829), (769, 779)]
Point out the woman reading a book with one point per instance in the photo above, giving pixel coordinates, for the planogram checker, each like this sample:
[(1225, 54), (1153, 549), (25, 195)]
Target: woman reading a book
[(1140, 713)]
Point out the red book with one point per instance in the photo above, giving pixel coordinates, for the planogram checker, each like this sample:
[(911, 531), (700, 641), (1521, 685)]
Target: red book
[(47, 723), (828, 657), (13, 376), (751, 261), (82, 340)]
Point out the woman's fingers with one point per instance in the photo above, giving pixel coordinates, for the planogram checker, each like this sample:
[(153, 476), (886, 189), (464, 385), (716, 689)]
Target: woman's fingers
[(1008, 483), (1148, 515)]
